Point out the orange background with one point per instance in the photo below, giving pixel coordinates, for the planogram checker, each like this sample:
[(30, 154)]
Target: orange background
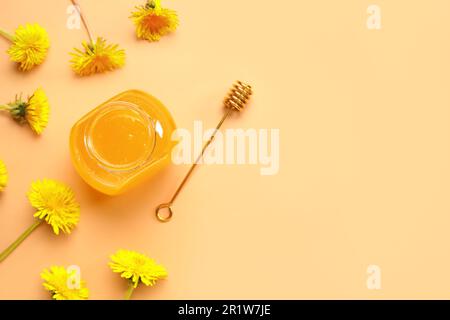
[(365, 151)]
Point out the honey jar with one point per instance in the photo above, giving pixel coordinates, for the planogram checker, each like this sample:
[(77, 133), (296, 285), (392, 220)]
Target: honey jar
[(122, 142)]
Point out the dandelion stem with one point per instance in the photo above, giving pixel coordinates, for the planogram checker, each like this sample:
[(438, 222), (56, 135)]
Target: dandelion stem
[(22, 237), (130, 291), (4, 107), (83, 19), (6, 35)]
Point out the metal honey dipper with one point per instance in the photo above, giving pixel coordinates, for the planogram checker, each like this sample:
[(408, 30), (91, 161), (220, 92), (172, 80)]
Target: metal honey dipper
[(236, 100)]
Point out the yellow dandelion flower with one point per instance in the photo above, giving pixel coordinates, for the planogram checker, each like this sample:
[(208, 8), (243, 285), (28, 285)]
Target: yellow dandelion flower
[(64, 285), (35, 111), (55, 204), (3, 176), (30, 45), (97, 58), (152, 21), (136, 268)]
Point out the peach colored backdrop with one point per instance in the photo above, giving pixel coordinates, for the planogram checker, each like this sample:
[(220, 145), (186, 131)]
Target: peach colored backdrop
[(365, 151)]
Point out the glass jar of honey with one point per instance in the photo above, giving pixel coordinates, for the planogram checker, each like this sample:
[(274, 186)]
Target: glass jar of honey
[(122, 142)]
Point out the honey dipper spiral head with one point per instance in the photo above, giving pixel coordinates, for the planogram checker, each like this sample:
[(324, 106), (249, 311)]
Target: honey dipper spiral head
[(238, 96)]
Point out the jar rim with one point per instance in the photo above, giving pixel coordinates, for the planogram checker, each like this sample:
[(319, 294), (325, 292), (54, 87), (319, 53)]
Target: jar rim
[(141, 115)]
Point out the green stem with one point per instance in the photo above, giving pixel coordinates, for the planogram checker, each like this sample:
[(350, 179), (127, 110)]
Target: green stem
[(5, 107), (130, 291), (22, 237), (83, 19), (6, 35)]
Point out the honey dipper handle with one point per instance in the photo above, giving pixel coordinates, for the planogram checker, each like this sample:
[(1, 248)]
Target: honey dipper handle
[(168, 205)]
